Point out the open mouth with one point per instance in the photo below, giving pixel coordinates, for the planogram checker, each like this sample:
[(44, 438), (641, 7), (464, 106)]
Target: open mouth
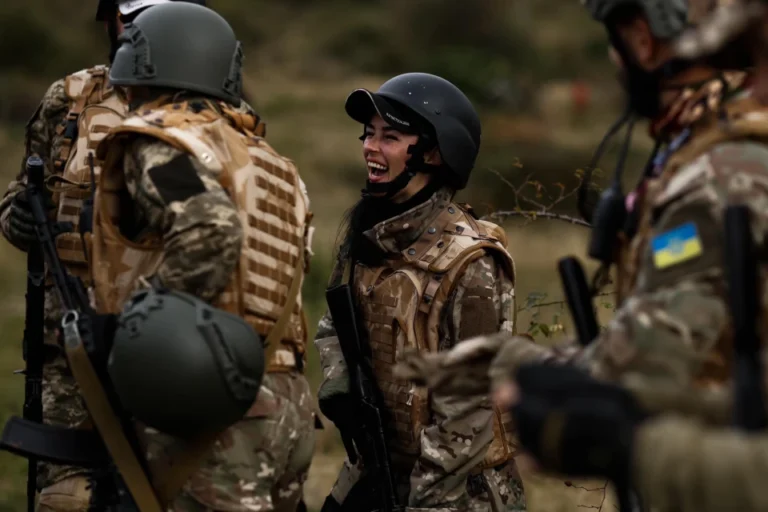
[(377, 172)]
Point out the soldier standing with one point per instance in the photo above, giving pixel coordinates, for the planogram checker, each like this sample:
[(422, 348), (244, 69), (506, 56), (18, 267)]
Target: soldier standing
[(672, 322), (676, 463), (73, 116), (425, 274), (194, 200)]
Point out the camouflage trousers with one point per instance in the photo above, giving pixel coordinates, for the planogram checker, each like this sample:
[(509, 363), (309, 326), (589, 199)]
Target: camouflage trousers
[(259, 464), (498, 489)]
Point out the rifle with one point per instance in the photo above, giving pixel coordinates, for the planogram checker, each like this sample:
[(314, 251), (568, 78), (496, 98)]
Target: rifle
[(33, 344), (579, 299), (134, 492), (369, 438), (749, 411)]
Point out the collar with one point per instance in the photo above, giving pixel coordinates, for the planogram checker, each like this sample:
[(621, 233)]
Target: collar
[(699, 101), (395, 234)]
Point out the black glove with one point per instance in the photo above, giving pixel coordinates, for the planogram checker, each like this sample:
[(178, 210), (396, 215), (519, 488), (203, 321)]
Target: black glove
[(575, 425), (21, 222)]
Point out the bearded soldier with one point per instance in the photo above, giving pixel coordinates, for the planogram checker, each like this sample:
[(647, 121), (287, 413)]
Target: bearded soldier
[(672, 323), (675, 463), (193, 200), (425, 274), (73, 116)]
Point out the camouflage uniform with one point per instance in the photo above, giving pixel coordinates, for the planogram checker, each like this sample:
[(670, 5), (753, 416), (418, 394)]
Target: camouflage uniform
[(672, 324), (452, 444), (261, 462), (62, 404)]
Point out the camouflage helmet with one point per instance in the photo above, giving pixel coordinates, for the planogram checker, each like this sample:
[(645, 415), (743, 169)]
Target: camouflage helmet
[(666, 18), (719, 28), (424, 99), (182, 46), (106, 8), (182, 366)]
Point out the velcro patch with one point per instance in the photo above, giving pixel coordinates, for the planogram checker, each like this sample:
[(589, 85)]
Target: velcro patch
[(177, 180), (676, 246)]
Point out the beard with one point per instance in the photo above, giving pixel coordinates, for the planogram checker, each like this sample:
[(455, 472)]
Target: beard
[(643, 90)]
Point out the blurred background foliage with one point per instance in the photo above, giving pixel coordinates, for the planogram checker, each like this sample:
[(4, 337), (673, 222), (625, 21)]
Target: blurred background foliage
[(537, 70)]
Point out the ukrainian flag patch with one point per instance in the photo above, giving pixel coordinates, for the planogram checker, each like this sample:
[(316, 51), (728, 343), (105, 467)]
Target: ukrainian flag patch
[(676, 245)]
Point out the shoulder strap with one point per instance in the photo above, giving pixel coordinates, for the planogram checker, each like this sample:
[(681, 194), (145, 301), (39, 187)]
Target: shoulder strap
[(69, 129), (106, 420)]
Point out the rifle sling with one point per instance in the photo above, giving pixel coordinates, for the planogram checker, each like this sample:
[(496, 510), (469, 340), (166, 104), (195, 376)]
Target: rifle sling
[(50, 443), (276, 334), (109, 427), (168, 483)]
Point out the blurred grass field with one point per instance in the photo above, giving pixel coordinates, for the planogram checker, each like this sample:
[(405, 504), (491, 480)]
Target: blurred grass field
[(525, 64)]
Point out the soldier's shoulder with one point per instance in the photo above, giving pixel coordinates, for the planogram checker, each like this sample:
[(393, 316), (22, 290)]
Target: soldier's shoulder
[(728, 166), (268, 150)]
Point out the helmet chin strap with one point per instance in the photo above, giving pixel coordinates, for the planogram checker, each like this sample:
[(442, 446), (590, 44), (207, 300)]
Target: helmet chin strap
[(415, 165)]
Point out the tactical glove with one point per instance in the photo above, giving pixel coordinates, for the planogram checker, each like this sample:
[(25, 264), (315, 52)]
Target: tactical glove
[(21, 223), (575, 425)]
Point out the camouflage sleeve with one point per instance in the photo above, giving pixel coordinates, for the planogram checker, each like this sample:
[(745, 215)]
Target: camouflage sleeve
[(177, 196), (679, 465), (669, 328), (462, 427), (40, 131), (327, 345)]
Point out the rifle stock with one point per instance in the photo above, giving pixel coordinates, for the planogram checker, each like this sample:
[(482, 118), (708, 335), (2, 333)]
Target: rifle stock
[(370, 439), (749, 410)]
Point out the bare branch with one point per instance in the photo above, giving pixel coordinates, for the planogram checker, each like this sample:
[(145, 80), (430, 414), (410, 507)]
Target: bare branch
[(531, 215)]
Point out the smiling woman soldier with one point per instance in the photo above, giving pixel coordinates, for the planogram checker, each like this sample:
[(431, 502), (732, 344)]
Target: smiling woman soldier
[(426, 274)]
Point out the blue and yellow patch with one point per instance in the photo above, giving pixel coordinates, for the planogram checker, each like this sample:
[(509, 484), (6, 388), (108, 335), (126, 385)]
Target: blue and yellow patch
[(676, 245)]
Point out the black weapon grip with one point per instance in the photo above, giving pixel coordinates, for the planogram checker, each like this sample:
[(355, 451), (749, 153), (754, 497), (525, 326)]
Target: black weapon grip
[(579, 299), (744, 303)]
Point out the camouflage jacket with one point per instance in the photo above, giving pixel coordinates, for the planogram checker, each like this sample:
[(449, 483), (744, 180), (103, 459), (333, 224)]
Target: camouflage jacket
[(457, 440), (673, 324), (41, 139), (681, 466)]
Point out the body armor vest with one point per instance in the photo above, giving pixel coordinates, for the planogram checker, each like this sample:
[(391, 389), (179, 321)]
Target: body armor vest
[(268, 193), (95, 108), (402, 305), (745, 119)]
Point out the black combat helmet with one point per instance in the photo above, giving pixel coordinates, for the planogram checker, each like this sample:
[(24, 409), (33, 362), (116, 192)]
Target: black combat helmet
[(181, 46), (429, 106)]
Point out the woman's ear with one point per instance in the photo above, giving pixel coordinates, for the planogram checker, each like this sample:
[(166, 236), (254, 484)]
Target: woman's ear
[(433, 157)]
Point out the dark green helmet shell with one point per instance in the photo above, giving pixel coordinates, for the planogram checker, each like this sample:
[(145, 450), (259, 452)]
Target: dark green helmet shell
[(182, 46), (182, 366)]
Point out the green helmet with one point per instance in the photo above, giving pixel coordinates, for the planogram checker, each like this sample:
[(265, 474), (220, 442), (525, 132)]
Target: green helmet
[(667, 18), (182, 366), (181, 46)]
